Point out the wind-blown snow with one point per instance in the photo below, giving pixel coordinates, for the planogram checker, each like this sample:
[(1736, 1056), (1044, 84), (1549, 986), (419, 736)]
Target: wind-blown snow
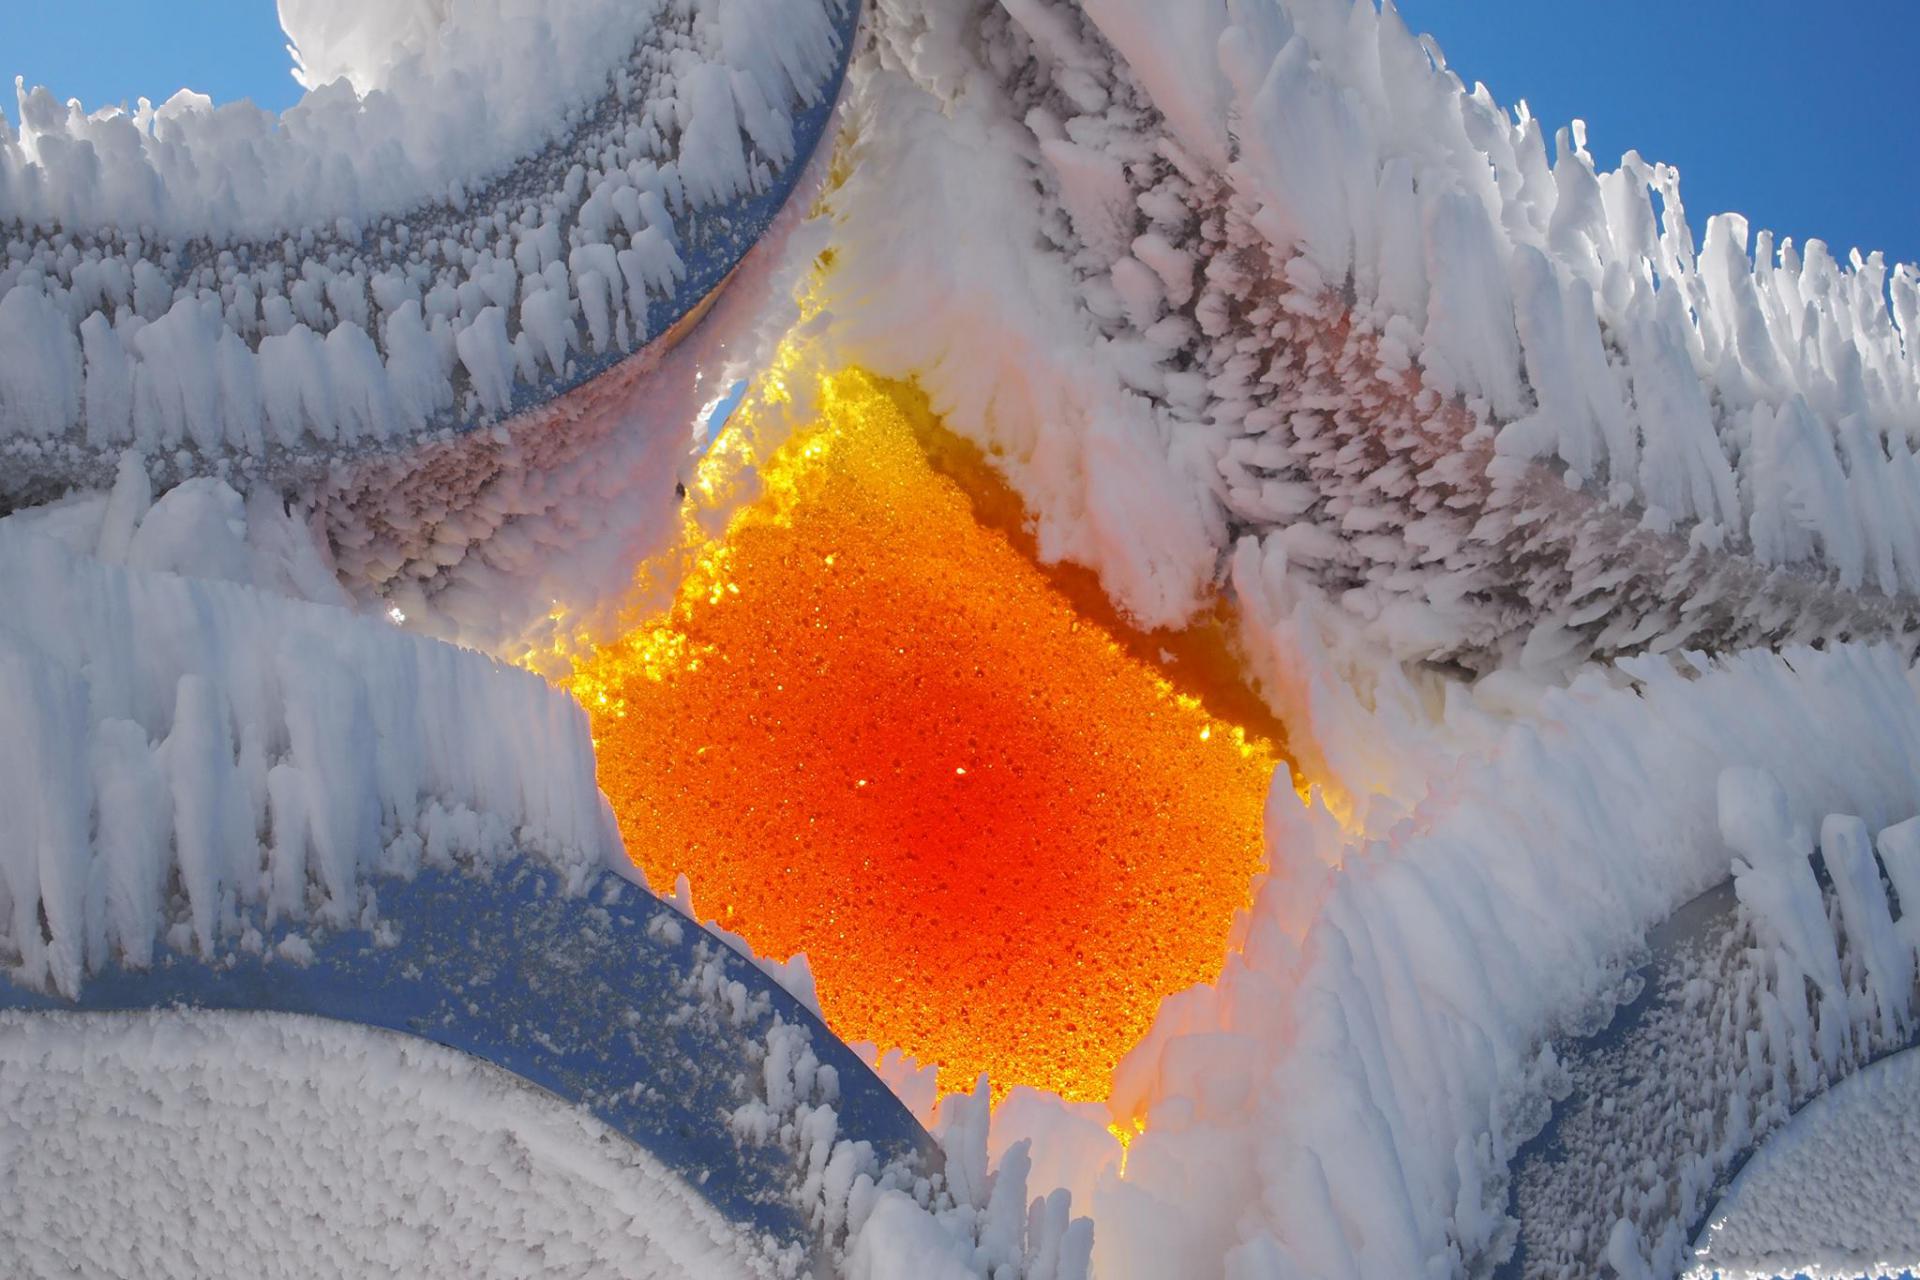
[(192, 1143)]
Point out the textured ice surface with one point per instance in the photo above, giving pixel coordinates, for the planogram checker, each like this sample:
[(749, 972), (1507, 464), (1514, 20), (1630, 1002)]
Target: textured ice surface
[(504, 200), (1261, 293), (1346, 1099), (202, 1144), (182, 752), (1286, 278), (1760, 997), (1836, 1193)]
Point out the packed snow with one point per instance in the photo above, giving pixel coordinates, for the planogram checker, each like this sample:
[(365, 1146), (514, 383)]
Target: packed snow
[(187, 1143)]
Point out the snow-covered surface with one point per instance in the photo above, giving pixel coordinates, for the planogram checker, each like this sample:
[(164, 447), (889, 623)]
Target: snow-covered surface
[(196, 754), (185, 1143), (1256, 294), (1296, 311), (183, 755), (1758, 997), (514, 546), (1287, 277), (1834, 1195), (1346, 1099), (504, 200)]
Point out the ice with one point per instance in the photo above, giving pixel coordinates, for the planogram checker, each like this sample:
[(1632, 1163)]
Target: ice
[(261, 748), (1868, 918), (211, 282), (1388, 1011), (1388, 274), (1259, 295), (1830, 1195)]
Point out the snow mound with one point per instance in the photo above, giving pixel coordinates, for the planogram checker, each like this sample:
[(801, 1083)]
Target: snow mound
[(192, 1143)]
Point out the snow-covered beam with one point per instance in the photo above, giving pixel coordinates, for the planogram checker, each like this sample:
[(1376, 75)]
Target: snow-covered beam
[(492, 205), (1757, 997)]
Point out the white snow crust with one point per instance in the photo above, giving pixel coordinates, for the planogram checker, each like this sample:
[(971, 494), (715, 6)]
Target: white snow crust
[(1834, 1195), (187, 1143)]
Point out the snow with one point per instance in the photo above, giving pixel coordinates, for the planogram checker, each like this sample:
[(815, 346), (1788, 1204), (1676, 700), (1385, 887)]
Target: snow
[(192, 1143), (1833, 1194), (971, 1219), (1401, 311), (1761, 1001), (283, 745), (405, 103), (1345, 1099), (401, 249), (1257, 295)]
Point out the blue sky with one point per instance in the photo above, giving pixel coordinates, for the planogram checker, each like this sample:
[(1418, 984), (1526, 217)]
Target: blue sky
[(109, 51), (1797, 114)]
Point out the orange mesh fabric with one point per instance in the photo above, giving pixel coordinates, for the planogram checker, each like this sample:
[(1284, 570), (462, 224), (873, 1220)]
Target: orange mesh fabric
[(872, 730)]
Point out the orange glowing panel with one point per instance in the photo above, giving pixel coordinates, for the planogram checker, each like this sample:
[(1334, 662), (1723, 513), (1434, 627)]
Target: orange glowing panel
[(872, 730)]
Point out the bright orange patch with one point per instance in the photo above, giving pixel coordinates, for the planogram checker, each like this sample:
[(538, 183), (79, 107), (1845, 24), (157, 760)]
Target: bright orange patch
[(870, 729)]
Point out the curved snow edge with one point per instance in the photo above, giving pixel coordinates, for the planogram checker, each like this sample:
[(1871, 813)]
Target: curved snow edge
[(180, 753)]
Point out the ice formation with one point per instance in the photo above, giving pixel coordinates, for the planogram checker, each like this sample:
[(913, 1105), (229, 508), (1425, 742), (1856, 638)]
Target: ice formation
[(1578, 558), (1288, 279), (186, 753), (504, 202), (1761, 996)]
